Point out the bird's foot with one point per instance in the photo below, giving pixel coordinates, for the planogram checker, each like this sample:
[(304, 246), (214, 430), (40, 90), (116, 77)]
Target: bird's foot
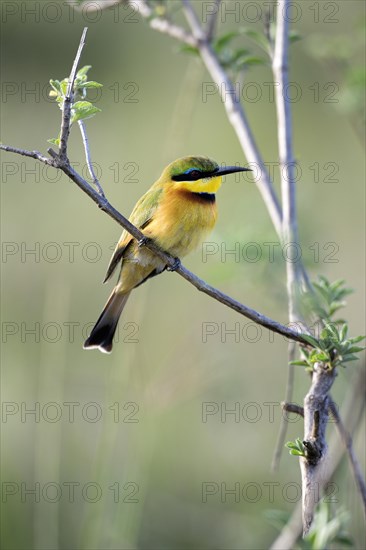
[(175, 266), (143, 242)]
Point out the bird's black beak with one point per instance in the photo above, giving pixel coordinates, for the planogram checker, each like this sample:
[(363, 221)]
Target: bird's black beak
[(230, 170)]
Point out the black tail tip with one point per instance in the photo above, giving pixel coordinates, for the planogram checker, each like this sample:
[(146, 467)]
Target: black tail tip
[(104, 347)]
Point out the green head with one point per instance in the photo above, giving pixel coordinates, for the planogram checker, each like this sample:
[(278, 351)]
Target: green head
[(197, 174)]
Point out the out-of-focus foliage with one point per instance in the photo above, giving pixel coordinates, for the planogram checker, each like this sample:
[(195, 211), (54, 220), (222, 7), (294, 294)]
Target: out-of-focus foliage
[(342, 54)]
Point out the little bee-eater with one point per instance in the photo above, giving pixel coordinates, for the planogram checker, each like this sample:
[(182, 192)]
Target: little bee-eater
[(177, 212)]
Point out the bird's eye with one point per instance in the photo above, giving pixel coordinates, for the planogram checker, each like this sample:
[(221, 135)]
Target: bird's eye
[(194, 174), (189, 175)]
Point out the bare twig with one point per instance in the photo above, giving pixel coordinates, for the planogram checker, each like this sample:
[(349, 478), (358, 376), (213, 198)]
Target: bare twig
[(88, 158), (212, 20), (292, 407), (193, 21), (66, 107), (24, 153), (162, 24), (288, 397), (347, 440)]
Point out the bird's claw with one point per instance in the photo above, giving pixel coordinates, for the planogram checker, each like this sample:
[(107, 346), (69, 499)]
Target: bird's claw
[(143, 241), (175, 266)]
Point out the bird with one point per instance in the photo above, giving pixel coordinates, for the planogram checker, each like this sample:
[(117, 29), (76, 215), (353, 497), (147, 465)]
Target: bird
[(177, 213)]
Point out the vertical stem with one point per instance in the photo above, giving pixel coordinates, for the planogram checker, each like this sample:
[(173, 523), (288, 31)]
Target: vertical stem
[(287, 163), (289, 233), (288, 398), (88, 158)]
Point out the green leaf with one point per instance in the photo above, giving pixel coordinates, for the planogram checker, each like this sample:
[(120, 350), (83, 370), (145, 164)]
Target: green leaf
[(335, 306), (294, 36), (224, 40), (332, 330), (346, 358), (311, 340), (83, 71), (296, 447), (322, 291), (252, 60), (241, 52), (356, 339), (355, 349), (345, 540), (64, 84), (83, 110), (258, 37), (299, 363), (189, 49), (54, 141), (343, 332), (92, 84), (56, 85), (322, 357), (295, 452)]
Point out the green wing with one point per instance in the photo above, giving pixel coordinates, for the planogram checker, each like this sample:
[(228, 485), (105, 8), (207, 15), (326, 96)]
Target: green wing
[(141, 216)]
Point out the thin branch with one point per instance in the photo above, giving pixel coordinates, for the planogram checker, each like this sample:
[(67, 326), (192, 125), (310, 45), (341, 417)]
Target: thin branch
[(88, 158), (288, 397), (193, 21), (66, 107), (212, 20), (347, 440), (162, 24), (32, 154), (292, 407)]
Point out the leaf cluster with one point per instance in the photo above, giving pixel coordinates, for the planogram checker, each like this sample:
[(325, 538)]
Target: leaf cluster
[(240, 59), (329, 297), (333, 348), (81, 108), (328, 527), (296, 447)]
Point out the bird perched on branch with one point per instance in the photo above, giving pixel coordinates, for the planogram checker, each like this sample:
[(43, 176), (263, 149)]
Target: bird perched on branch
[(177, 213)]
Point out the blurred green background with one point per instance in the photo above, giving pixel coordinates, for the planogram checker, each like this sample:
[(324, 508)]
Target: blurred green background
[(117, 444)]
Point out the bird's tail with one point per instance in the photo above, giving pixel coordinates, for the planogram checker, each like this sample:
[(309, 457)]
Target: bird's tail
[(101, 336)]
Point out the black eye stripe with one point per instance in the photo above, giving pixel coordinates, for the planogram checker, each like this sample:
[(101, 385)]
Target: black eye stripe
[(194, 175)]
